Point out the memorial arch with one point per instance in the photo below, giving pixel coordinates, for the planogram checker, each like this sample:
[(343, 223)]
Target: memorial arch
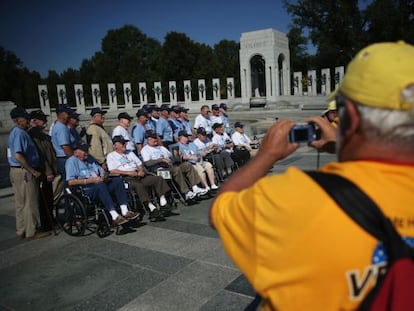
[(264, 66)]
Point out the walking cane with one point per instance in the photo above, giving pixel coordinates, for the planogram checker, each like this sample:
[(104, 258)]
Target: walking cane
[(48, 213)]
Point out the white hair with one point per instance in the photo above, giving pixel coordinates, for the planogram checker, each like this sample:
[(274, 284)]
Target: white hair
[(392, 127)]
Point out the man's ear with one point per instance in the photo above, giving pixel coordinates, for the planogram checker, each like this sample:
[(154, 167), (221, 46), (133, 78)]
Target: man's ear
[(353, 119)]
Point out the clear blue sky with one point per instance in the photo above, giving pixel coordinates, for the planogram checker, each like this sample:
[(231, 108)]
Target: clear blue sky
[(57, 35)]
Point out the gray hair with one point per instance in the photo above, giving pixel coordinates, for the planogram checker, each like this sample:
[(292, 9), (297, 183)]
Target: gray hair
[(392, 127)]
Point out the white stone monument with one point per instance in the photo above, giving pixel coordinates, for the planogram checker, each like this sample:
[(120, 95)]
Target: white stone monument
[(158, 92), (187, 92), (172, 90), (127, 95), (61, 93), (216, 89), (6, 123), (272, 47), (143, 98), (297, 83), (325, 81), (312, 83), (339, 75), (112, 98), (230, 88), (201, 85), (44, 98), (96, 95), (79, 98)]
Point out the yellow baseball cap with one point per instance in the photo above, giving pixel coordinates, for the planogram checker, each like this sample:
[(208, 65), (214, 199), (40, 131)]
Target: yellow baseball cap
[(331, 106), (379, 75)]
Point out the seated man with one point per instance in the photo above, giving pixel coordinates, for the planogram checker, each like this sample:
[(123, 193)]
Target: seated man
[(84, 171), (190, 152), (125, 163), (224, 142), (156, 156), (241, 140), (221, 158)]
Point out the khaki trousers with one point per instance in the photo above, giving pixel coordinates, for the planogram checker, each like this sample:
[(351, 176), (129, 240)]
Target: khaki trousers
[(26, 199), (185, 169)]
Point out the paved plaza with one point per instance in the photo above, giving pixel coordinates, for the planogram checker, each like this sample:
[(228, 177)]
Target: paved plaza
[(178, 264)]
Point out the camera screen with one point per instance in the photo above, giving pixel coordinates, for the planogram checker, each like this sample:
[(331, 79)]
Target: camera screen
[(300, 135)]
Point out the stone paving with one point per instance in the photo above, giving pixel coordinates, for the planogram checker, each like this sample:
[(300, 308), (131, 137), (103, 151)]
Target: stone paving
[(178, 264)]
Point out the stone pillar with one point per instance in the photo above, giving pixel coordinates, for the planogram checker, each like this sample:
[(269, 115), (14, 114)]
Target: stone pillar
[(201, 90), (127, 95), (158, 92), (216, 89), (325, 81), (339, 75), (143, 93), (61, 93), (44, 98), (96, 95), (172, 89), (230, 88), (297, 83), (80, 99), (6, 123), (312, 83), (113, 101), (187, 92)]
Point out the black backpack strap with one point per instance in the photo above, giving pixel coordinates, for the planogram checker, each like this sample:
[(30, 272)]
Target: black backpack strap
[(363, 211)]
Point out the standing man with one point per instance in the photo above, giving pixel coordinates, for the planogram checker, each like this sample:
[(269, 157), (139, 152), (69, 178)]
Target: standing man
[(175, 124), (47, 168), (183, 118), (124, 120), (61, 137), (164, 129), (138, 130), (226, 119), (100, 143), (24, 162), (73, 123), (216, 117), (297, 248), (203, 120)]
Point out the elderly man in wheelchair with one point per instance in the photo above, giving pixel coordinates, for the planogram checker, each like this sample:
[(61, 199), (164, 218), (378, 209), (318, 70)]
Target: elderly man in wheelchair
[(158, 157), (125, 163), (83, 171)]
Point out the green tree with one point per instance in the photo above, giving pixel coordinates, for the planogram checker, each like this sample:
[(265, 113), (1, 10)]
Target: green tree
[(17, 83), (335, 28), (228, 59), (179, 57), (299, 58), (390, 20)]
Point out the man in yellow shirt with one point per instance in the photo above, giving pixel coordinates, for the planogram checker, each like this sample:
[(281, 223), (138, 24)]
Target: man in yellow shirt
[(297, 248)]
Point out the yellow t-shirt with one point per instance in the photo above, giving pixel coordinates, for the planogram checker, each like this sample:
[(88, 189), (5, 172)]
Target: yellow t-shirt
[(298, 249)]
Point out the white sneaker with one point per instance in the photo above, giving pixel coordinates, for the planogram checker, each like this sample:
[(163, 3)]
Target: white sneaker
[(199, 191), (163, 200), (190, 195), (214, 187)]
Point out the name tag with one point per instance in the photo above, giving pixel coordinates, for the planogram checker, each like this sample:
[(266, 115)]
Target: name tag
[(165, 174)]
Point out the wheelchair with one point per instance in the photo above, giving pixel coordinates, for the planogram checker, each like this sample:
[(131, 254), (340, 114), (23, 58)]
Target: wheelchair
[(77, 215)]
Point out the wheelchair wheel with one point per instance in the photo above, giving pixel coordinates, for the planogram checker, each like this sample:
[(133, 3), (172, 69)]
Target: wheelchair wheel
[(70, 214), (103, 223)]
